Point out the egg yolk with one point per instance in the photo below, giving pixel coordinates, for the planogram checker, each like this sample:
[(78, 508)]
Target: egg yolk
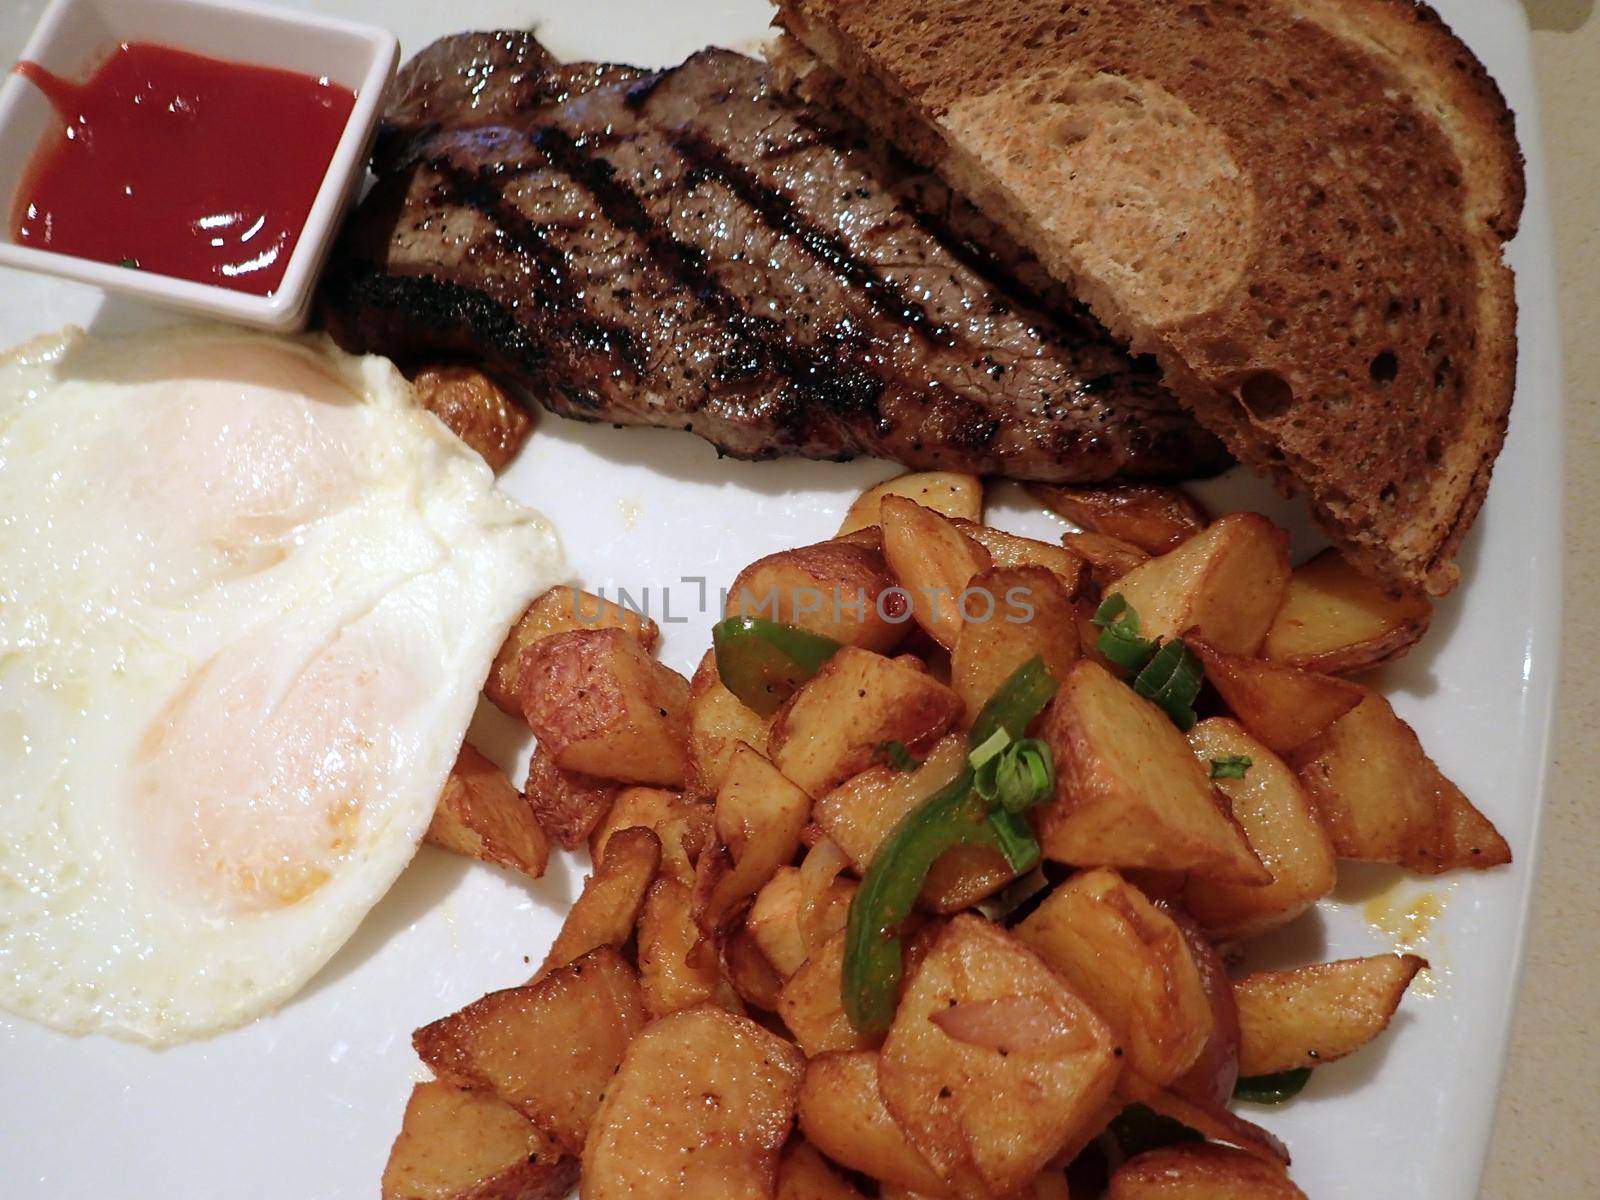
[(268, 768)]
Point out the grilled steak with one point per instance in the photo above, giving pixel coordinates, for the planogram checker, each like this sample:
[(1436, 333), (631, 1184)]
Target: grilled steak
[(688, 248)]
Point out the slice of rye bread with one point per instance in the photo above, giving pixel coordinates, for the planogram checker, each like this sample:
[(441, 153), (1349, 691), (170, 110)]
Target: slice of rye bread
[(1297, 205)]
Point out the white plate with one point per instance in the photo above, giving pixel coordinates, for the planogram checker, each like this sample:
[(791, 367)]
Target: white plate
[(305, 1103)]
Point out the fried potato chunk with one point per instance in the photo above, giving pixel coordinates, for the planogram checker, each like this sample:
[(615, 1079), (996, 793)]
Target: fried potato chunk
[(671, 974), (1313, 1015), (701, 1106), (482, 816), (836, 724), (755, 980), (1284, 831), (954, 495), (842, 1114), (1200, 1172), (864, 809), (1335, 619), (774, 919), (567, 804), (934, 561), (1032, 615), (758, 820), (811, 1004), (1129, 792), (655, 809), (607, 909), (602, 706), (832, 588), (1131, 964), (1109, 558), (457, 1144), (1012, 550), (1283, 706), (982, 1022), (476, 409), (1154, 518), (1382, 799), (548, 1048), (718, 722), (1225, 584), (803, 1174), (559, 610)]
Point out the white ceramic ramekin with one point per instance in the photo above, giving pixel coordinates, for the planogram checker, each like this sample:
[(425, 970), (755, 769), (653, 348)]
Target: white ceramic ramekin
[(75, 36)]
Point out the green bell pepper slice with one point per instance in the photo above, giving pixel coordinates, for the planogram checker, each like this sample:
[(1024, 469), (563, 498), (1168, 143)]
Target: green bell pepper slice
[(956, 815), (764, 662)]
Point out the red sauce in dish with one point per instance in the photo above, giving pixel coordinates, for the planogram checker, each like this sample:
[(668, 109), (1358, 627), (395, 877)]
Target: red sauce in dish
[(180, 164)]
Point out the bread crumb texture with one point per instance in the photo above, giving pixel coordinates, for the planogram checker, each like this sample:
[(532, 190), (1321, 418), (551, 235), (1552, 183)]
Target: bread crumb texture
[(1297, 205)]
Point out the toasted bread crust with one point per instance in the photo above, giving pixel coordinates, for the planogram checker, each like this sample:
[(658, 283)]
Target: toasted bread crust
[(1297, 205)]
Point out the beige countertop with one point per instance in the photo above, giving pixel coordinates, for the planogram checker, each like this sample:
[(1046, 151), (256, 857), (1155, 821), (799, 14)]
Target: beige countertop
[(1547, 1137)]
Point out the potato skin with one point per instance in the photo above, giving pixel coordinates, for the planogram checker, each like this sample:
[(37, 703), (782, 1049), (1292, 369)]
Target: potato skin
[(548, 1048), (700, 1106), (1313, 1015), (482, 816), (458, 1144), (559, 610), (832, 727), (1152, 517), (1336, 620), (476, 409), (1200, 1172), (567, 804), (601, 705)]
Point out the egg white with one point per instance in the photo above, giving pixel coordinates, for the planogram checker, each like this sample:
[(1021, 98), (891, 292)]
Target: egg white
[(248, 594)]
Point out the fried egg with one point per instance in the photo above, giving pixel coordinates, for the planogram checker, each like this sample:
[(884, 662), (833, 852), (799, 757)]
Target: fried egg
[(249, 592)]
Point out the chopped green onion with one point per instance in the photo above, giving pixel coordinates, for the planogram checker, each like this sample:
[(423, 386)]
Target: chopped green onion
[(131, 263), (1272, 1089), (1230, 766), (1113, 608), (989, 749), (1172, 679), (1015, 840), (894, 754), (1013, 896), (1119, 639), (1019, 777)]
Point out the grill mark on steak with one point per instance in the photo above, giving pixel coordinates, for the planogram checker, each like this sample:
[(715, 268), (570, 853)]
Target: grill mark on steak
[(683, 249), (783, 216), (561, 295), (811, 374)]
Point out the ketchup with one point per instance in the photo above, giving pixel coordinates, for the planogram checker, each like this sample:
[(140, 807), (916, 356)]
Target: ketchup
[(182, 165)]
